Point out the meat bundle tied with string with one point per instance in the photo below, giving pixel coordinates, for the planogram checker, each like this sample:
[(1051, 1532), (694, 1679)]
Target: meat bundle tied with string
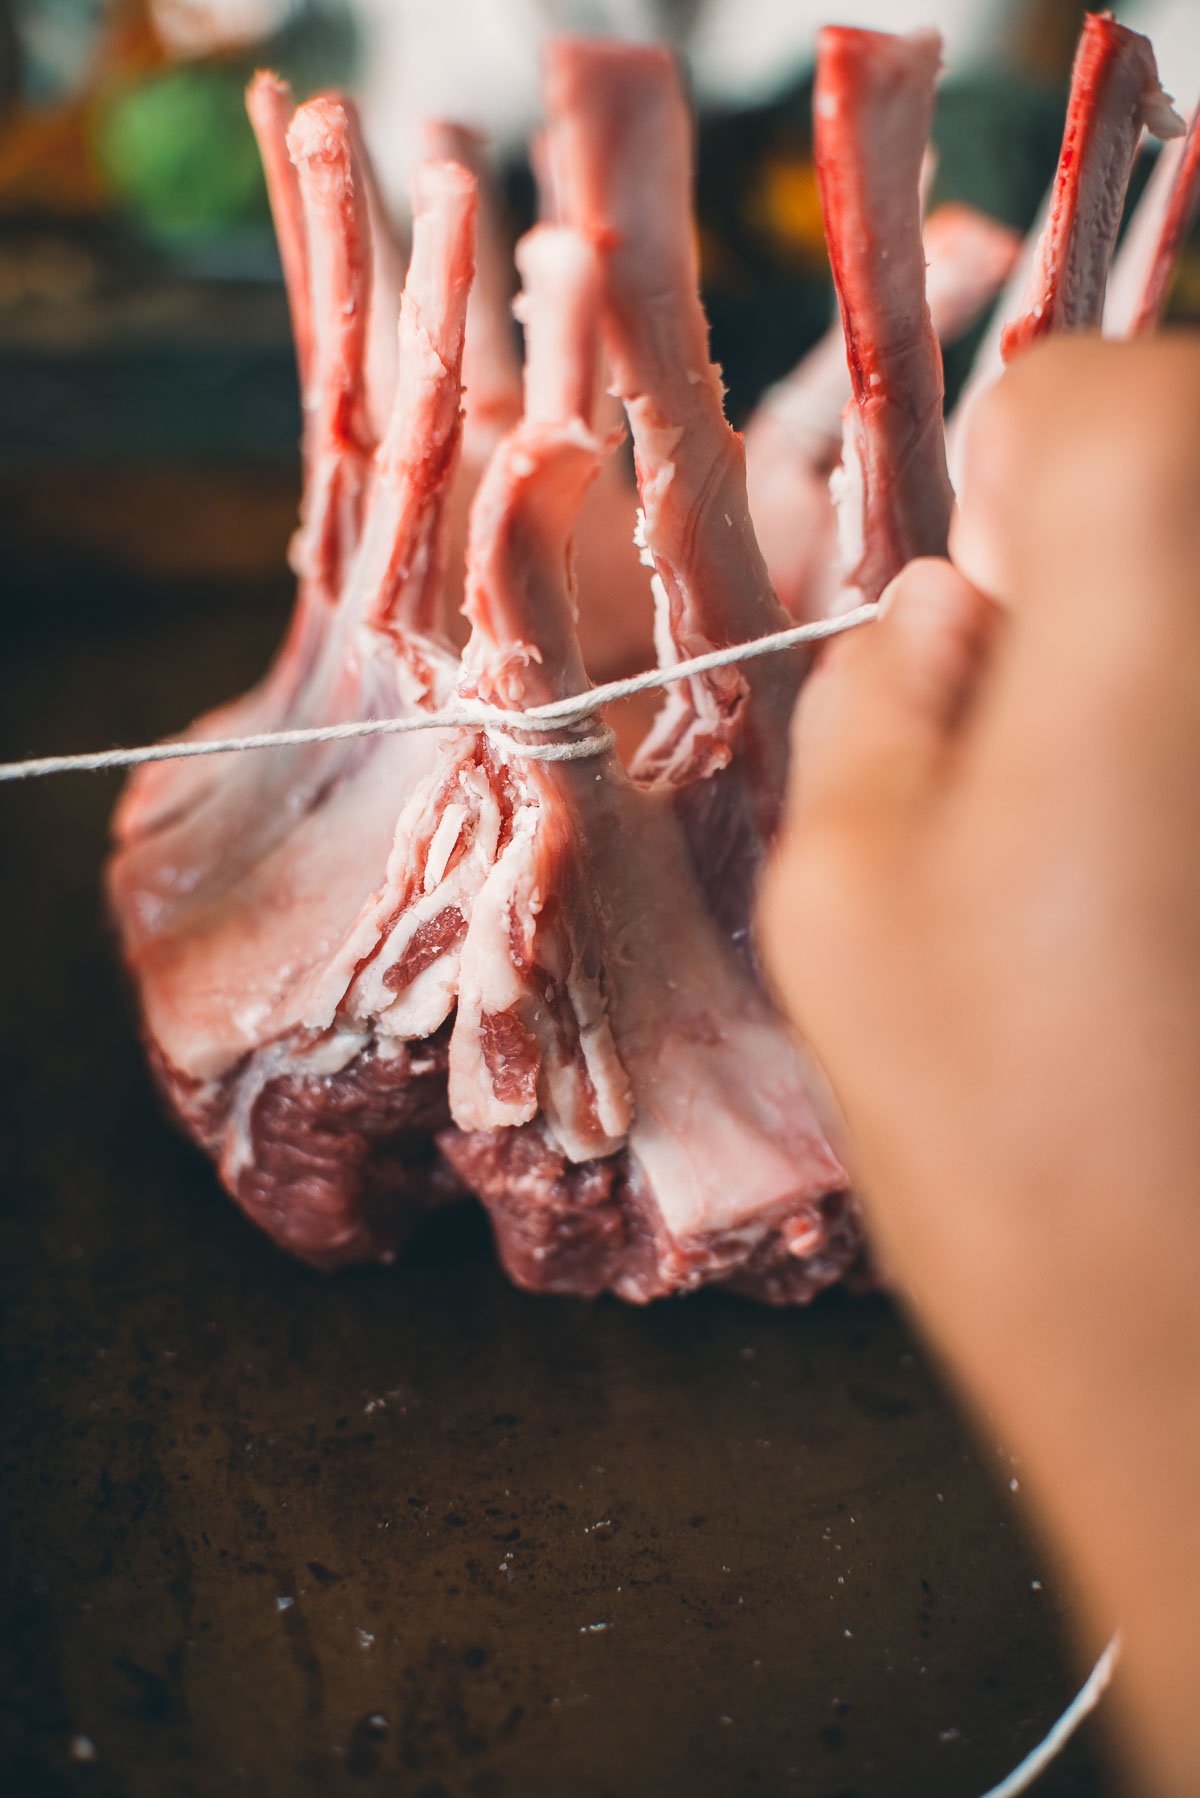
[(496, 947)]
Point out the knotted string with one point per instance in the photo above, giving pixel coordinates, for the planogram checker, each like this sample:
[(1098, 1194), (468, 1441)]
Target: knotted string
[(519, 732)]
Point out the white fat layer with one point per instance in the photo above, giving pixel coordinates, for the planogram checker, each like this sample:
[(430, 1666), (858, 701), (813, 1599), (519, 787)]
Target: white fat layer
[(445, 837), (724, 1130), (470, 824), (580, 1088), (847, 486), (489, 983)]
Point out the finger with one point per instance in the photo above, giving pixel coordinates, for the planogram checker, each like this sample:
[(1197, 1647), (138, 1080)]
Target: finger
[(879, 713), (1081, 475)]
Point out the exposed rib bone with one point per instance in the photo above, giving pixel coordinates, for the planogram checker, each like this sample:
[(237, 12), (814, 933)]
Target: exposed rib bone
[(398, 580), (387, 282), (491, 366), (621, 143), (872, 106), (794, 440), (269, 104), (1115, 91), (339, 442), (1154, 241)]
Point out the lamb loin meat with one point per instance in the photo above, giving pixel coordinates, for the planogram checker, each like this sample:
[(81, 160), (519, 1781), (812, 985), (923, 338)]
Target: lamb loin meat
[(247, 910)]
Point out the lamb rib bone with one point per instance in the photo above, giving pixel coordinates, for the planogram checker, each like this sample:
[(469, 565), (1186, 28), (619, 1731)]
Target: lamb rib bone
[(1154, 240), (794, 438), (216, 830), (270, 106), (1114, 84), (491, 365), (872, 106), (620, 139), (627, 1104), (1115, 91), (163, 793), (318, 1112)]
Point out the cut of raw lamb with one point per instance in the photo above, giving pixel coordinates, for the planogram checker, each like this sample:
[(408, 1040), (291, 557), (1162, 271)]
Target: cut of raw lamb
[(377, 974)]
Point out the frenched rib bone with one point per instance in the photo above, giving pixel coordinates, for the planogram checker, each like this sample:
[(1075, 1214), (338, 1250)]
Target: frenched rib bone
[(1154, 241), (621, 143), (1115, 93), (794, 439), (872, 107)]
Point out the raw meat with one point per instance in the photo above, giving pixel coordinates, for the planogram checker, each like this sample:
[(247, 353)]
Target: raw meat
[(615, 632), (1059, 280), (1148, 257), (794, 439), (1115, 92), (629, 1106), (621, 145), (247, 909), (500, 957), (872, 108)]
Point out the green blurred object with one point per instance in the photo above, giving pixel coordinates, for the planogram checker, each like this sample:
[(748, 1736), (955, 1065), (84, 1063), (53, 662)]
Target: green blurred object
[(179, 154)]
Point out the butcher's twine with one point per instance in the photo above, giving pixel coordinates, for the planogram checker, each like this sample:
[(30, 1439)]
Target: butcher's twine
[(511, 728), (519, 731), (1056, 1739)]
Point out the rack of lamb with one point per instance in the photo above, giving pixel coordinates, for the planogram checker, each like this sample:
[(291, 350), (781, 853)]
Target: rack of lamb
[(514, 960)]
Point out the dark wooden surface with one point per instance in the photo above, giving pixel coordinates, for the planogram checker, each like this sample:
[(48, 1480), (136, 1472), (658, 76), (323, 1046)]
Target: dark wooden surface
[(410, 1531)]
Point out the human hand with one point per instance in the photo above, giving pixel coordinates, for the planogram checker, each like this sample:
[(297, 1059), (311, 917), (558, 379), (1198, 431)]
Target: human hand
[(984, 915)]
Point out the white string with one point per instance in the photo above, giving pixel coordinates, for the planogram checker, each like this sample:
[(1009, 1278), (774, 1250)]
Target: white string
[(1052, 1745), (511, 728)]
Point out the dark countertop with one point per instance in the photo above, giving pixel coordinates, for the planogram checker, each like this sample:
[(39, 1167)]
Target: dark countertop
[(410, 1531)]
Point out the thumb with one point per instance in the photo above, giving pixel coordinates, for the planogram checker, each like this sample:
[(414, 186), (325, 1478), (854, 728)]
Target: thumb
[(882, 708)]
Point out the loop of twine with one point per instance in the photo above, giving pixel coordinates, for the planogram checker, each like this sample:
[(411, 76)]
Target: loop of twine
[(511, 729)]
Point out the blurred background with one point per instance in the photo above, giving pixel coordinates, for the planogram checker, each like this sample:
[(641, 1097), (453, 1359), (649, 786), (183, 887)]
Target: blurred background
[(143, 332)]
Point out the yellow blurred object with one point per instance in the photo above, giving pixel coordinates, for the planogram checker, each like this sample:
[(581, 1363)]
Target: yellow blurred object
[(46, 161), (786, 205), (1185, 290)]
